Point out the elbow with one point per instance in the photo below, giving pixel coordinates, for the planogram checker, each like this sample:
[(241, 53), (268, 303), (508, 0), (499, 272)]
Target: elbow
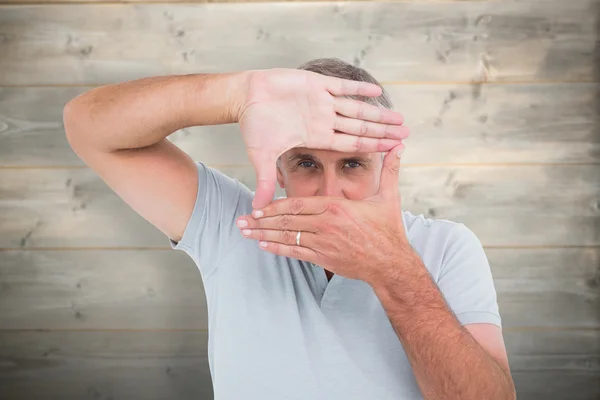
[(72, 118), (76, 123), (70, 115), (509, 387), (511, 391)]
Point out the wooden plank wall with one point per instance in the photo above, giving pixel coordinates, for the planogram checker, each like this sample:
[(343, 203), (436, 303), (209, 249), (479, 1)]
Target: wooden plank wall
[(502, 98)]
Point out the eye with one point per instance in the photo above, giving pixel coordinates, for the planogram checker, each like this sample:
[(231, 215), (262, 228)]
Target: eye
[(354, 164), (303, 164)]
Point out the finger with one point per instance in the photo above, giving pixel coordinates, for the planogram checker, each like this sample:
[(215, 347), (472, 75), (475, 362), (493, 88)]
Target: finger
[(352, 143), (298, 252), (286, 222), (371, 129), (297, 206), (388, 183), (266, 179), (283, 237), (368, 112), (343, 87)]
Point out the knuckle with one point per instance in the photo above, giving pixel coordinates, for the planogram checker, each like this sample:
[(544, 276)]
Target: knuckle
[(295, 252), (364, 127), (337, 125), (288, 237), (361, 111), (296, 206), (284, 222), (334, 208), (358, 144), (387, 130)]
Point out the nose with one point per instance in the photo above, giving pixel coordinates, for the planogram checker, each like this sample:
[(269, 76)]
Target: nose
[(330, 184)]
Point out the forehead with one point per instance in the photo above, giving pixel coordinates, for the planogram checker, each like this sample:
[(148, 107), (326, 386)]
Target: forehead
[(326, 155)]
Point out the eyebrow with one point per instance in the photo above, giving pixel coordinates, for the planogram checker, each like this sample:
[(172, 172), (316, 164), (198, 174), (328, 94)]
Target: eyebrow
[(308, 156)]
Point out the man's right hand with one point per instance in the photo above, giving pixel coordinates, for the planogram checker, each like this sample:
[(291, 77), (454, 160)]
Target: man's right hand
[(279, 109)]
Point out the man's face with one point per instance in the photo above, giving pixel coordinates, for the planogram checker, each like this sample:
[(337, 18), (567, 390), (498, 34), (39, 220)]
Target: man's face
[(308, 172)]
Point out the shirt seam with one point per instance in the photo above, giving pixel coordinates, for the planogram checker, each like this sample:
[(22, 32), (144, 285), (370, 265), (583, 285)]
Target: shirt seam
[(445, 262), (478, 312), (239, 195), (223, 259)]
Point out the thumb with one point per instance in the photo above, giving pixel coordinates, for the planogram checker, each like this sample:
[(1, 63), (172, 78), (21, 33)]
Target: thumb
[(266, 180), (388, 183)]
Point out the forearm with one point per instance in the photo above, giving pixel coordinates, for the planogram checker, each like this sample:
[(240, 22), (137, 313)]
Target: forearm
[(448, 363), (142, 112)]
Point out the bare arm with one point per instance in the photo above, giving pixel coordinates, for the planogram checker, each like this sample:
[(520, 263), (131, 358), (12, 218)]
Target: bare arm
[(447, 360), (120, 132)]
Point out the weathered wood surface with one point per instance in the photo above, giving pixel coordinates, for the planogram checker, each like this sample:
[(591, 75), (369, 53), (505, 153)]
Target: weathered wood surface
[(172, 364), (131, 323), (396, 41), (553, 205), (104, 365), (69, 2), (162, 289), (492, 123), (135, 289)]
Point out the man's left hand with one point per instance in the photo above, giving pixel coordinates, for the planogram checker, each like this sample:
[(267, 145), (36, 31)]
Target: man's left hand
[(358, 239)]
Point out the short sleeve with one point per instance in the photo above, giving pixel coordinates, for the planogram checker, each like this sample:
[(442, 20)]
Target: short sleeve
[(466, 281), (211, 233)]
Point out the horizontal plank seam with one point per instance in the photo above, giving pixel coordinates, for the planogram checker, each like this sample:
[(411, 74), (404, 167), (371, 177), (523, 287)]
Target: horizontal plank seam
[(418, 165), (383, 83), (167, 248), (163, 2), (168, 3), (125, 330)]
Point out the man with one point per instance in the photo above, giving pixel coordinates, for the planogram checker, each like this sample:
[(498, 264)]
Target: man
[(333, 292)]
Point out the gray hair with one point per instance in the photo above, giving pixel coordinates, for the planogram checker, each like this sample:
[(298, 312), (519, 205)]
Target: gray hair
[(338, 68)]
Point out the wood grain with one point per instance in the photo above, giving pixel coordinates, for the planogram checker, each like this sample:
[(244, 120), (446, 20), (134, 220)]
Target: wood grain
[(504, 206), (189, 1), (535, 123), (395, 41), (155, 289), (101, 289), (104, 365), (158, 365)]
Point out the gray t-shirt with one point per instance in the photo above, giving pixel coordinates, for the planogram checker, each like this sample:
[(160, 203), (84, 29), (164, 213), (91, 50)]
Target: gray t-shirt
[(279, 330)]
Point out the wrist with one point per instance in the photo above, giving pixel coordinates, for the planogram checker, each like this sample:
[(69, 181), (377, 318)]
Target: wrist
[(238, 85), (213, 99), (404, 280)]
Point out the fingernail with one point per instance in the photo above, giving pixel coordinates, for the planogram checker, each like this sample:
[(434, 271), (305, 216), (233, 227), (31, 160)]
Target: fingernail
[(246, 232), (263, 244), (242, 223), (399, 152), (258, 214)]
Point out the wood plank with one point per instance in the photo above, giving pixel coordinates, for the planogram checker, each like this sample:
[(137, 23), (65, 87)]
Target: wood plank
[(156, 289), (557, 385), (104, 365), (504, 206), (532, 123), (153, 365), (134, 289), (417, 41), (180, 1), (552, 287), (568, 350)]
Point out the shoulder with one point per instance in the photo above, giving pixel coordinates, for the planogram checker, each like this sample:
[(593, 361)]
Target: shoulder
[(437, 240), (424, 229)]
